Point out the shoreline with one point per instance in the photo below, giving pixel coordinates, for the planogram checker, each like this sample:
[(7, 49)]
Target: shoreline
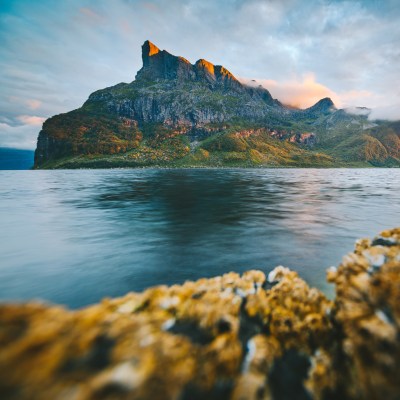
[(210, 167)]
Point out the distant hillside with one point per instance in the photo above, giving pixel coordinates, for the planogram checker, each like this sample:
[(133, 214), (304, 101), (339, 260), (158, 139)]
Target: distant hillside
[(11, 159), (179, 114)]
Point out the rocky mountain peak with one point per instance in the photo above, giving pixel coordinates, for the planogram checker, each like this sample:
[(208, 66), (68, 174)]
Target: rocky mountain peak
[(324, 104), (223, 74), (205, 71), (160, 64), (204, 64), (148, 49)]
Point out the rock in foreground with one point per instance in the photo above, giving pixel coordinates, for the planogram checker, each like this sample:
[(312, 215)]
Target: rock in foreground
[(229, 337)]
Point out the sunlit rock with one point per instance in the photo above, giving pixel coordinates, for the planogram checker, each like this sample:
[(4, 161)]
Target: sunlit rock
[(229, 337)]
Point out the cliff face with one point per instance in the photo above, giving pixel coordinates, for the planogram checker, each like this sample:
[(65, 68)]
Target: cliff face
[(172, 98), (252, 337), (171, 91), (159, 64), (49, 147)]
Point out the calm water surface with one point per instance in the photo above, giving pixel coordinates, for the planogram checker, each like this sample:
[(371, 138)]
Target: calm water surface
[(73, 237)]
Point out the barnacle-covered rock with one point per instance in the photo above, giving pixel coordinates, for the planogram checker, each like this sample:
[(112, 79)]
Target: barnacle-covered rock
[(229, 337), (367, 308), (214, 338)]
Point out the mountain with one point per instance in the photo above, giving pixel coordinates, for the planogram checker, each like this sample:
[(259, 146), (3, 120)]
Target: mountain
[(14, 159), (180, 114)]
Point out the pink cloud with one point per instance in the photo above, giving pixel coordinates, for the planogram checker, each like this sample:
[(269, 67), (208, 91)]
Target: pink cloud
[(306, 91), (91, 15), (150, 6), (301, 93), (31, 120), (33, 104), (126, 28)]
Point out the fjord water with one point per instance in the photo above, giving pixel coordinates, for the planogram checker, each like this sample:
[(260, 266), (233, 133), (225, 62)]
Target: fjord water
[(74, 237)]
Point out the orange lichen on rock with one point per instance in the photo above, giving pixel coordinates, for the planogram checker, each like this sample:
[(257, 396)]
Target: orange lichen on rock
[(368, 310)]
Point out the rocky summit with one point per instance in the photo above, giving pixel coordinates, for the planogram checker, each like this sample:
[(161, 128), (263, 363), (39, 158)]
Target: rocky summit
[(178, 114), (248, 337)]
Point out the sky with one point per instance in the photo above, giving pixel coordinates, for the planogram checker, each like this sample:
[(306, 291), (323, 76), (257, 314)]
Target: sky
[(53, 54)]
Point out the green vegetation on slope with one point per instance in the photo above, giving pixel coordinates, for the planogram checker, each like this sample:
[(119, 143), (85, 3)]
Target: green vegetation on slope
[(103, 132), (86, 131), (226, 149)]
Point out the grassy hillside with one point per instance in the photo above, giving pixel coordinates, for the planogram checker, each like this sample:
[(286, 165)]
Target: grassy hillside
[(98, 140), (225, 149)]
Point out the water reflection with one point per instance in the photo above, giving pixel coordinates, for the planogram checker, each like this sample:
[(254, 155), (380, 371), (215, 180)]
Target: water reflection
[(76, 236)]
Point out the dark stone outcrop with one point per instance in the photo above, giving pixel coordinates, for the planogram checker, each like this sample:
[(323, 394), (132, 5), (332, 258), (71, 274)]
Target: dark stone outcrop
[(249, 337), (322, 107), (159, 64)]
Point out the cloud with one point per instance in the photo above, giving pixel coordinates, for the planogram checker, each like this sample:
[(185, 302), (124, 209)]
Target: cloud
[(91, 15), (301, 93), (33, 104), (31, 120), (357, 97), (306, 91), (21, 137), (20, 132), (391, 112), (358, 110), (54, 54)]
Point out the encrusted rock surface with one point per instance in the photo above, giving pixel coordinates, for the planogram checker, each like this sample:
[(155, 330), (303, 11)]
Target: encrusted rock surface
[(230, 337), (367, 310)]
